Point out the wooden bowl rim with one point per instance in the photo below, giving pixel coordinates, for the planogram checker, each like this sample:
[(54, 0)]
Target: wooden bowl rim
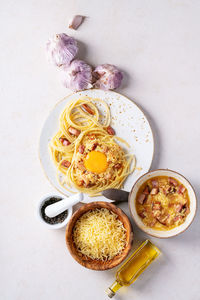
[(88, 262)]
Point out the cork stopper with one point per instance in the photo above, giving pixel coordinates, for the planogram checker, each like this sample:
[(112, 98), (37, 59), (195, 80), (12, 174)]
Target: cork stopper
[(110, 293)]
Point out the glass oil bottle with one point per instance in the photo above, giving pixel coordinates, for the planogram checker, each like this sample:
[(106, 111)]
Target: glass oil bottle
[(134, 266)]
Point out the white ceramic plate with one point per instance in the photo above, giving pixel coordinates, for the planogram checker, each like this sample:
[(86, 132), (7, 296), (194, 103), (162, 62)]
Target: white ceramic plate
[(129, 123)]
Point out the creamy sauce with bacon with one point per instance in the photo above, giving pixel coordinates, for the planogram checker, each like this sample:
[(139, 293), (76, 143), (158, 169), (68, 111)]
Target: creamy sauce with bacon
[(162, 203)]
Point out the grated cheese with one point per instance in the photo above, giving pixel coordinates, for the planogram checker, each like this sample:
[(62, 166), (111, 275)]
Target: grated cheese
[(98, 234)]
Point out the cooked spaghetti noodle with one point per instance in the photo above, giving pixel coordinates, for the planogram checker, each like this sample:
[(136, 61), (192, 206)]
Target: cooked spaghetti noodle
[(85, 150)]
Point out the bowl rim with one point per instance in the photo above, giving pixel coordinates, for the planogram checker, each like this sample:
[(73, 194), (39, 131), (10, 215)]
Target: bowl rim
[(88, 264), (144, 228)]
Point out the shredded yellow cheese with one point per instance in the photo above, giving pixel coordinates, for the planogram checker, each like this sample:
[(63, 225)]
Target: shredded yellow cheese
[(99, 234)]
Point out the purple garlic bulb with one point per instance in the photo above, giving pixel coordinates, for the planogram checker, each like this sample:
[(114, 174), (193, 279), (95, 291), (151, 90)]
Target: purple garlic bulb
[(77, 76), (108, 77), (61, 49)]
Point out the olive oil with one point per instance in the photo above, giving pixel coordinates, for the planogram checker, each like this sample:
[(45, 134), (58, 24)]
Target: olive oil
[(134, 266)]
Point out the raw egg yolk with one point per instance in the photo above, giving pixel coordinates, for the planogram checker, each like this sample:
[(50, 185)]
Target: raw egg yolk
[(96, 162)]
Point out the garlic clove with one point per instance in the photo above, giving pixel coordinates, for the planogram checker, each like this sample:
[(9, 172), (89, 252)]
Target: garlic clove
[(107, 77), (61, 49), (77, 76), (76, 21)]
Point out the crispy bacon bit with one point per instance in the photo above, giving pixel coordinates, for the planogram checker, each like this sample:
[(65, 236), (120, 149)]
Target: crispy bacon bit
[(179, 207), (80, 166), (142, 214), (118, 166), (171, 190), (141, 198), (181, 189), (156, 209), (154, 183), (94, 146), (88, 109), (154, 191), (105, 149), (146, 190), (81, 149), (66, 163), (64, 141), (173, 181), (80, 183), (177, 218), (162, 219), (91, 136), (74, 131), (156, 206), (110, 130)]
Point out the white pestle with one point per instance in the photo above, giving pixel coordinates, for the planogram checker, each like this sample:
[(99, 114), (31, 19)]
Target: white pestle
[(62, 205)]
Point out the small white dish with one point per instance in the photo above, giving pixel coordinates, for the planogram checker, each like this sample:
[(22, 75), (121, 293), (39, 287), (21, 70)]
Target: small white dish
[(160, 233), (39, 215), (129, 122)]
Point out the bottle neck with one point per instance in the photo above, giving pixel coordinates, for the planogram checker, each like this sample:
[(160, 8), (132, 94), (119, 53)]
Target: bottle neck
[(113, 289)]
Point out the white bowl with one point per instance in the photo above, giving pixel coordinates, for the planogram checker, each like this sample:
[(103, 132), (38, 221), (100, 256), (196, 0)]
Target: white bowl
[(161, 233), (39, 215)]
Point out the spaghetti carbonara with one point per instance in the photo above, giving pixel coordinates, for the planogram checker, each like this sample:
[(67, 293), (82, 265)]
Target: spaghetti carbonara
[(85, 150)]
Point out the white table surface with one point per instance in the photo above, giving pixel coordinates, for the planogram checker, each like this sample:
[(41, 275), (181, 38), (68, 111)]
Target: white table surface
[(157, 44)]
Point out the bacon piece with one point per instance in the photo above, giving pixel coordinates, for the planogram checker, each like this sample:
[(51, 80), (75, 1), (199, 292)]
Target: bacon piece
[(146, 190), (66, 163), (179, 207), (141, 198), (64, 141), (80, 183), (80, 166), (110, 130), (154, 183), (177, 218), (173, 181), (94, 146), (91, 136), (154, 191), (105, 149), (162, 219), (156, 206), (88, 109), (156, 209), (142, 214), (171, 190), (118, 166), (81, 149), (181, 189), (74, 131)]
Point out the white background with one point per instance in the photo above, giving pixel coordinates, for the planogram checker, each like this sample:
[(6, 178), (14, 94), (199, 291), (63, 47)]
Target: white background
[(157, 45)]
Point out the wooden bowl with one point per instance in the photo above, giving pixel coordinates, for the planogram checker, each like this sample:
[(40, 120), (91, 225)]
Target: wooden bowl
[(87, 261)]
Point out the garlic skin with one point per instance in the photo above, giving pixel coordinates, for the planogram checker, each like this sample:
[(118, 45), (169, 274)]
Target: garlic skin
[(61, 49), (77, 76), (108, 77), (76, 21)]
